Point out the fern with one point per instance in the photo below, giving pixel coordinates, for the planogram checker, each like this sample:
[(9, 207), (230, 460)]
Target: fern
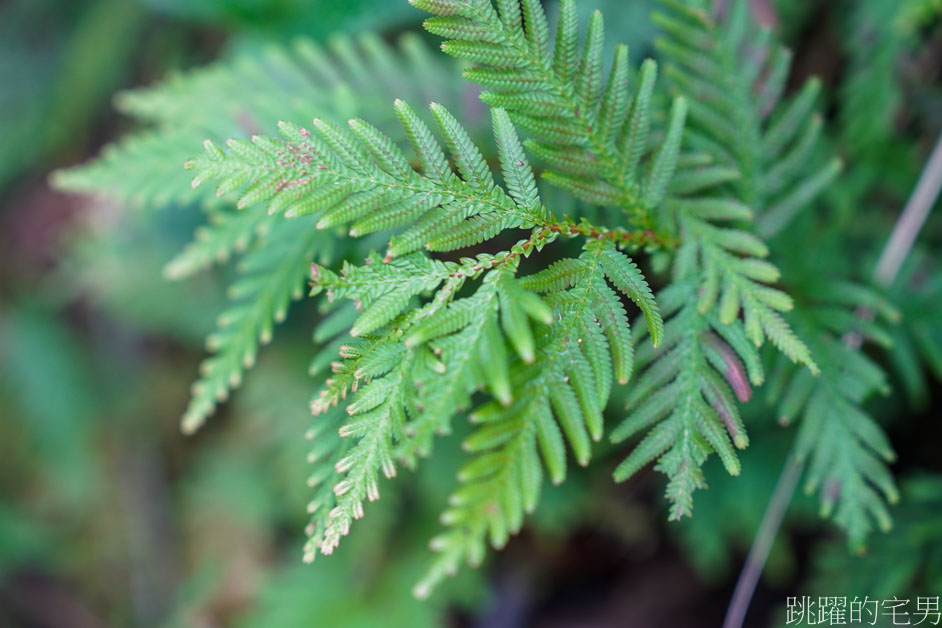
[(740, 118), (227, 233), (561, 392), (687, 397), (871, 93), (361, 177), (143, 171), (248, 95), (913, 546), (273, 276), (739, 166), (412, 365), (459, 310), (845, 450), (772, 146), (590, 132)]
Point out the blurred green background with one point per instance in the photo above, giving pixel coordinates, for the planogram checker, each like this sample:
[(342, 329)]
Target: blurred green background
[(109, 516)]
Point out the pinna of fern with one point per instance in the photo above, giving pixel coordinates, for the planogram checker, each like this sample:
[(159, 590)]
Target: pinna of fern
[(845, 450), (742, 123), (740, 117), (233, 98), (722, 304), (842, 448), (248, 94), (591, 133), (411, 364), (914, 548), (233, 231)]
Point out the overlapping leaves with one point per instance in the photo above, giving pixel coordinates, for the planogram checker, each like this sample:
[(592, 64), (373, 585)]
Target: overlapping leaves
[(417, 350), (591, 132)]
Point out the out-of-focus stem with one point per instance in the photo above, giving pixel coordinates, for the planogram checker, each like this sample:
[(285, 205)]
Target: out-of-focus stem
[(762, 544), (914, 216)]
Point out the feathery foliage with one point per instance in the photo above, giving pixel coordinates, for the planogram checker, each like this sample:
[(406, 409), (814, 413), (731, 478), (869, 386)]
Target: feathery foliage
[(590, 132), (241, 97), (412, 363), (273, 276), (740, 117), (250, 94), (740, 165), (871, 93), (845, 449), (561, 386), (914, 548), (687, 398), (464, 305)]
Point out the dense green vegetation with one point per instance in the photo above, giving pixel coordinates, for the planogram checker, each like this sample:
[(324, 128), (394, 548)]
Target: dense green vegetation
[(654, 240)]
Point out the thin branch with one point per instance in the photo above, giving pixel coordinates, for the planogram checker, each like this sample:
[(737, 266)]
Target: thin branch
[(762, 545), (914, 216)]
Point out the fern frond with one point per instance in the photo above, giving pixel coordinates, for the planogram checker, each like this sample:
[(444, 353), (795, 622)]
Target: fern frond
[(237, 98), (914, 563), (590, 132), (247, 95), (729, 262), (739, 116), (686, 398), (327, 450), (736, 122), (273, 275), (226, 234), (435, 353), (440, 353), (741, 123), (418, 352), (626, 276), (744, 161), (739, 167), (720, 309), (872, 93), (344, 176), (845, 449), (558, 398)]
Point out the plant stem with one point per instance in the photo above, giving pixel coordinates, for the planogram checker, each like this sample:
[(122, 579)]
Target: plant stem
[(762, 544), (914, 216)]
